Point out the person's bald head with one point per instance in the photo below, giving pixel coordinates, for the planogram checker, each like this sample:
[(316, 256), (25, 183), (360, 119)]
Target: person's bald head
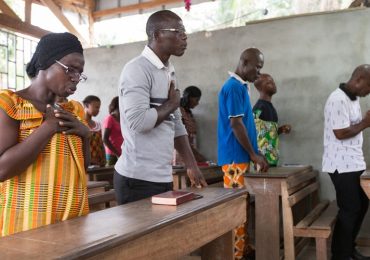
[(160, 20), (265, 84), (250, 63), (359, 83)]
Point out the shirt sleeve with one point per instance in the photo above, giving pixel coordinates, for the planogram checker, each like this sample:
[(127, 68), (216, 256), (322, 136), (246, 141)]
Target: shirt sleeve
[(179, 126), (236, 102), (338, 112), (134, 101)]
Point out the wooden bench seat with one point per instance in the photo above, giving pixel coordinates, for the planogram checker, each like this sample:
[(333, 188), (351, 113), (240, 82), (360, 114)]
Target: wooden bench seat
[(317, 223), (99, 201), (97, 187)]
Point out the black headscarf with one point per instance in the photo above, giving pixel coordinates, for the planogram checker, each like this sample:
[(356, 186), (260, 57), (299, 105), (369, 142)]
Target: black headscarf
[(51, 47)]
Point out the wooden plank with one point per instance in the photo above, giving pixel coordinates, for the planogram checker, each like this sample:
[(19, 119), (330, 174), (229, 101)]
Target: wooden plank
[(267, 226), (132, 7), (300, 186), (288, 224), (363, 241), (102, 197), (94, 187), (5, 9), (219, 249), (302, 177), (55, 9), (298, 196), (307, 232), (179, 238), (327, 218), (27, 10), (133, 225), (17, 25), (321, 248), (313, 215), (279, 172)]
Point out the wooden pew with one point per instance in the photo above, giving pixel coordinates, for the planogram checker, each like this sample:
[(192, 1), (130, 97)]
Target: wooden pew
[(103, 200), (94, 187), (139, 230), (101, 174), (212, 175), (266, 187), (364, 237), (317, 223)]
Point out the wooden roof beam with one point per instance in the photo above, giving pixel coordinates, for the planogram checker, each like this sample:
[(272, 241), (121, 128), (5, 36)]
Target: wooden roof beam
[(5, 9), (133, 7), (55, 9), (27, 10), (17, 25)]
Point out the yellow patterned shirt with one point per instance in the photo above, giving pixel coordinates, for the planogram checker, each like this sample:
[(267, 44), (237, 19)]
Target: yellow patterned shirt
[(51, 189)]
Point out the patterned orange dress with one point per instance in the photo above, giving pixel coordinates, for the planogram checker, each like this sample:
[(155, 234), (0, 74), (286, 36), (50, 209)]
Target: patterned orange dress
[(53, 188)]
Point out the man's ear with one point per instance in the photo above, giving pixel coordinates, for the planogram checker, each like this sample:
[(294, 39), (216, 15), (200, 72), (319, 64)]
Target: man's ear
[(156, 35)]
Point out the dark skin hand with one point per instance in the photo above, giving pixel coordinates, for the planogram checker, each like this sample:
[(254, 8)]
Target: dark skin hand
[(240, 133), (195, 175), (170, 105), (284, 129), (15, 157), (353, 130)]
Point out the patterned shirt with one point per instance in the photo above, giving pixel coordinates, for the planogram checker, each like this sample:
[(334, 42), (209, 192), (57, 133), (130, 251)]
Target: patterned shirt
[(342, 155), (267, 130), (53, 187), (97, 146)]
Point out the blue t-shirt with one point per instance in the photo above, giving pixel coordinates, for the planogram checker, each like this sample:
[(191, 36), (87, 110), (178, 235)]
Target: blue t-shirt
[(234, 101)]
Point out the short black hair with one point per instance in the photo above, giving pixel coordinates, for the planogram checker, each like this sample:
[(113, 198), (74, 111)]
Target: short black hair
[(113, 105), (191, 91), (89, 99), (157, 21)]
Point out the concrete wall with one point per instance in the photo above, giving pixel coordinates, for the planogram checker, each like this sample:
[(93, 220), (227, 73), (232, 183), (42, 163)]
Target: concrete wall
[(307, 55)]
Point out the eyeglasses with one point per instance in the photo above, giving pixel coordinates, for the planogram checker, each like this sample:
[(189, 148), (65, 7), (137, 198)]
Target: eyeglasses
[(180, 32), (73, 73)]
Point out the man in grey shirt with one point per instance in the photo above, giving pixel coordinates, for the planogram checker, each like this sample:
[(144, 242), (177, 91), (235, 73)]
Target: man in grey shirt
[(150, 118)]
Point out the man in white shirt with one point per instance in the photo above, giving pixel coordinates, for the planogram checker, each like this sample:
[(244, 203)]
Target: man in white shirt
[(150, 117), (344, 161)]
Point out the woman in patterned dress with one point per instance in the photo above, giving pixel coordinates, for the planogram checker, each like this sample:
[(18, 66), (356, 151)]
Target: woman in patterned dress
[(44, 146), (92, 107), (190, 99)]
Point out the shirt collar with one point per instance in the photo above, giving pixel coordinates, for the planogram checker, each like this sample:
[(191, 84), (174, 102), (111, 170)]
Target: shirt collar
[(342, 86), (238, 78), (150, 55)]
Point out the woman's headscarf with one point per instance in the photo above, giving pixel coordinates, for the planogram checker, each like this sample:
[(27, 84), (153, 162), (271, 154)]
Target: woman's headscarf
[(51, 47)]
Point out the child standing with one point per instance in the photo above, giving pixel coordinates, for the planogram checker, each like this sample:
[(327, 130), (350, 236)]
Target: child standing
[(92, 107)]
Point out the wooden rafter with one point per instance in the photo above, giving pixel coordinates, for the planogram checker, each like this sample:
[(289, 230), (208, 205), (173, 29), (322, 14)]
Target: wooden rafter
[(17, 25), (27, 10), (133, 7), (5, 9), (55, 9)]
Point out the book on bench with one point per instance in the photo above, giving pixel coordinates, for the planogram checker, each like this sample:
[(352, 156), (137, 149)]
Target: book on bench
[(173, 197)]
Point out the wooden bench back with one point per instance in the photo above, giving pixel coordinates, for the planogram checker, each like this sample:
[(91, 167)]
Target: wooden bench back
[(298, 188)]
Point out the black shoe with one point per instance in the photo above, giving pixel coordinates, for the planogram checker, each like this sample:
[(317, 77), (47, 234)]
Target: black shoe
[(356, 255)]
